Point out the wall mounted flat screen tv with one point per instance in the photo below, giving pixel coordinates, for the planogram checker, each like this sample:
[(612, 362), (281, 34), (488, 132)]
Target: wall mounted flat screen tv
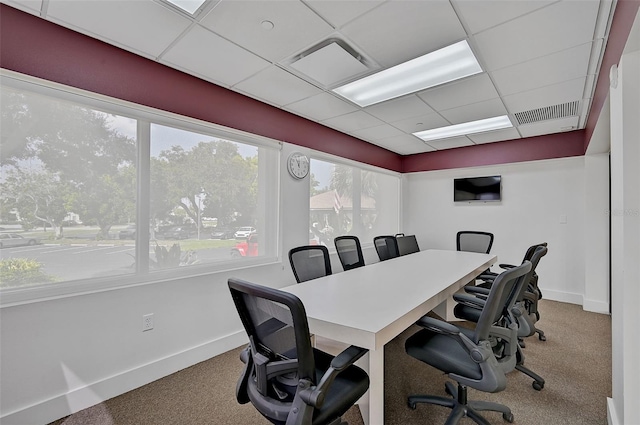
[(482, 189)]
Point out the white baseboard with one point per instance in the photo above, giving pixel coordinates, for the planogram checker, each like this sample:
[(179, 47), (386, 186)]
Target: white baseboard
[(595, 306), (78, 399), (565, 297), (612, 415)]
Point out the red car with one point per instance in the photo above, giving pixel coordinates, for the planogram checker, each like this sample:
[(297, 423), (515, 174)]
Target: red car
[(246, 248)]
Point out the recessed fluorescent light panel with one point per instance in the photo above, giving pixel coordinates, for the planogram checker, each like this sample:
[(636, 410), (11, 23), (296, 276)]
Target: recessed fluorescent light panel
[(435, 68), (472, 127), (189, 6)]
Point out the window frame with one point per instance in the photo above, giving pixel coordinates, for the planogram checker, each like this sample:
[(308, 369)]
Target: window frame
[(147, 116)]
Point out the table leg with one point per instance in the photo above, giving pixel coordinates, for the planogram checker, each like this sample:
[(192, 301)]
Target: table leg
[(372, 404)]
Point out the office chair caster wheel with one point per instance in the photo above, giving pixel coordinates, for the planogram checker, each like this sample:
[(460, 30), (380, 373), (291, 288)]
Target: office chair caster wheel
[(411, 405), (542, 337), (537, 385), (508, 417)]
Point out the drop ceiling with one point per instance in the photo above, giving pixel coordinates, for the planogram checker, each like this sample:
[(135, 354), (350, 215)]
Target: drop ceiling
[(537, 56)]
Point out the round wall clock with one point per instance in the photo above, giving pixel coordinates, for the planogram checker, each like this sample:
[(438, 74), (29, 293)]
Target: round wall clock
[(298, 165)]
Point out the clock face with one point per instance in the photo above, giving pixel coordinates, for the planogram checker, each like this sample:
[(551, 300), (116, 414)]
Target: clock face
[(298, 165)]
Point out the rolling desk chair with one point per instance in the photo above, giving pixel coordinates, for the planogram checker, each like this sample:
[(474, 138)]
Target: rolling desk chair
[(407, 244), (386, 247), (473, 241), (466, 355), (310, 262), (349, 252), (286, 380), (517, 313)]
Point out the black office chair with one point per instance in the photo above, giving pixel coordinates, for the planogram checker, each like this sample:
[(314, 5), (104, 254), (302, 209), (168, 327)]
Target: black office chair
[(407, 244), (532, 294), (386, 247), (286, 380), (310, 262), (349, 252), (472, 241), (516, 313), (466, 355)]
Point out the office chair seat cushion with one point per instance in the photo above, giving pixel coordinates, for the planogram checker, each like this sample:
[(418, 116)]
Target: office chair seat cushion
[(346, 390), (443, 352)]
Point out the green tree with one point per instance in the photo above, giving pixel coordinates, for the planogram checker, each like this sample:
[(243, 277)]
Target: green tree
[(76, 144), (39, 197), (212, 176)]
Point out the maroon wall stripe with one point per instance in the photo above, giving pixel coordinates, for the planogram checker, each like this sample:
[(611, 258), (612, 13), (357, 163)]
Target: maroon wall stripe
[(623, 18), (36, 47), (531, 149)]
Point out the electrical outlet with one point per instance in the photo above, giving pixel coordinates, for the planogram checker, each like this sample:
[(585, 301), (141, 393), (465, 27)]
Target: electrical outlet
[(147, 322)]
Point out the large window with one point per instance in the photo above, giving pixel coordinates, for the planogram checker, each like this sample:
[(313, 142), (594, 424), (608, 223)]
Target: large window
[(93, 188), (352, 200)]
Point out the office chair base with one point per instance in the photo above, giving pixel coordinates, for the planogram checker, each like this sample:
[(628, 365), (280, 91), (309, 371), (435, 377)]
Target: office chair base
[(538, 381), (541, 336), (460, 406)]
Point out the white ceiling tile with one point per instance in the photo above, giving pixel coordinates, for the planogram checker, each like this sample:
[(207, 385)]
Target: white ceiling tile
[(404, 144), (400, 108), (413, 149), (419, 123), (330, 65), (410, 29), (276, 86), (295, 26), (525, 38), (29, 6), (556, 94), (378, 132), (200, 51), (142, 26), (451, 143), (321, 107), (548, 127), (476, 111), (495, 136), (468, 90), (338, 13), (544, 71), (353, 121), (482, 14)]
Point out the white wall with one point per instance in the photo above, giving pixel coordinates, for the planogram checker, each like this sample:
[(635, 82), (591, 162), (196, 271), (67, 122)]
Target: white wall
[(625, 240), (536, 198)]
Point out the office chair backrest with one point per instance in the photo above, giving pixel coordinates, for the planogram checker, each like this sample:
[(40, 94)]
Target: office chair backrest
[(280, 347), (310, 262), (472, 241), (349, 252), (407, 244), (386, 247), (501, 297)]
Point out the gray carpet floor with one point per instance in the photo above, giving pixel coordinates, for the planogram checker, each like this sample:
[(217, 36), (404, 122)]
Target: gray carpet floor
[(575, 361)]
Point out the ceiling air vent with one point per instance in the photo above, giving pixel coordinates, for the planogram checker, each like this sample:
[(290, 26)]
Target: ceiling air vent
[(554, 112)]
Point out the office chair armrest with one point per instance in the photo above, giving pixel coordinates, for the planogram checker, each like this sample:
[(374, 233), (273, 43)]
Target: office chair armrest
[(348, 357), (487, 277), (477, 290), (314, 396), (469, 301), (506, 266), (438, 326)]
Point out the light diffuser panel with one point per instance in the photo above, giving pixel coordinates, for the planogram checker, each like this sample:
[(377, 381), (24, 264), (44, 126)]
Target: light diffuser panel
[(435, 68)]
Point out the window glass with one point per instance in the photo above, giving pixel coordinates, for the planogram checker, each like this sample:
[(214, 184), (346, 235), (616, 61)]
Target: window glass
[(347, 200), (86, 193), (204, 198), (68, 185)]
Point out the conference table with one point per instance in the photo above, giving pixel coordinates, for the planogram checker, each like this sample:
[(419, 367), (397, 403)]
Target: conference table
[(369, 306)]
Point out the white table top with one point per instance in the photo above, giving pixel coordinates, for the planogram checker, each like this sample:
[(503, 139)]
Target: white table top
[(368, 306)]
